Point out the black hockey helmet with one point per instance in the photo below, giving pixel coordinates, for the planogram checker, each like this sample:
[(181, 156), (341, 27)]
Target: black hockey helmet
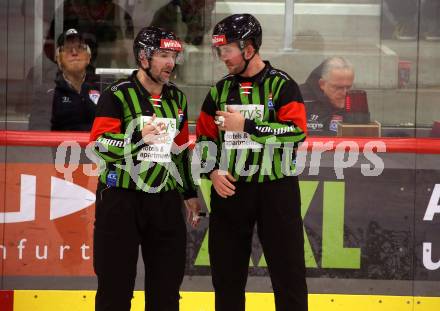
[(238, 28), (150, 39)]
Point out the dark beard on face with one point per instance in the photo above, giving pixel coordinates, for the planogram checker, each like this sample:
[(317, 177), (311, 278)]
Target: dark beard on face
[(160, 79)]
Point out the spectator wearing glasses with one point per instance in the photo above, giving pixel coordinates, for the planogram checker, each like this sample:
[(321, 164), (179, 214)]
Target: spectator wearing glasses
[(76, 92), (324, 95), (71, 105)]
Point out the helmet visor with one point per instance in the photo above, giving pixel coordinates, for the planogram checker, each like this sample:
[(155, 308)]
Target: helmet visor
[(174, 46), (227, 51), (173, 57)]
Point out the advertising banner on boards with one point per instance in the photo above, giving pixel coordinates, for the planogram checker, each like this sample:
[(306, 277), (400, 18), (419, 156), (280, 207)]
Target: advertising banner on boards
[(377, 227)]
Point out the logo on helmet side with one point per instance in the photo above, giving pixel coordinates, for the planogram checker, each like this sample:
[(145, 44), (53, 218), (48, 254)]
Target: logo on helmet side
[(170, 44), (218, 40)]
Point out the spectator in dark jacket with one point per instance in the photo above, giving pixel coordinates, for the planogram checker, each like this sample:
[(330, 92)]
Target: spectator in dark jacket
[(324, 95), (76, 89)]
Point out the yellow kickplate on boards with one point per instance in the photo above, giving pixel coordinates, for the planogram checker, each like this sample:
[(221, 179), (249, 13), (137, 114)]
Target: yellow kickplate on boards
[(70, 300)]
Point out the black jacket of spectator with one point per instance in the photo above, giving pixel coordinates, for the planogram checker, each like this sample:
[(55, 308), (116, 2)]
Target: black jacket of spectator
[(73, 111), (321, 115)]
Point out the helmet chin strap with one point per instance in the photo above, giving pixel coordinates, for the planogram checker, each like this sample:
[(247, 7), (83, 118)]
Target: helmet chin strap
[(148, 72), (246, 62)]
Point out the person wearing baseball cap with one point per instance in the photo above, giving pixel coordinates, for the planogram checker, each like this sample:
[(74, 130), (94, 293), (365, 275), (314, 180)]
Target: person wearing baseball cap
[(76, 93), (70, 105)]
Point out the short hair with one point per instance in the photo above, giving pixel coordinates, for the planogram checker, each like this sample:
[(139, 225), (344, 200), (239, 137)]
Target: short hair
[(335, 62)]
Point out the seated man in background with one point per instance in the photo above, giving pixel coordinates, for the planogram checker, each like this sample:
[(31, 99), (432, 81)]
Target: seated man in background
[(76, 90), (324, 95)]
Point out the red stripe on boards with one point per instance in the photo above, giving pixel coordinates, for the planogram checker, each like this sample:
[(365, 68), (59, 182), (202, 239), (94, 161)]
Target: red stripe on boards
[(6, 300)]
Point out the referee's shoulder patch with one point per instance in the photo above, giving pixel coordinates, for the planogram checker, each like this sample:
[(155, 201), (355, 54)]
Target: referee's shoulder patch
[(119, 84), (279, 73)]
